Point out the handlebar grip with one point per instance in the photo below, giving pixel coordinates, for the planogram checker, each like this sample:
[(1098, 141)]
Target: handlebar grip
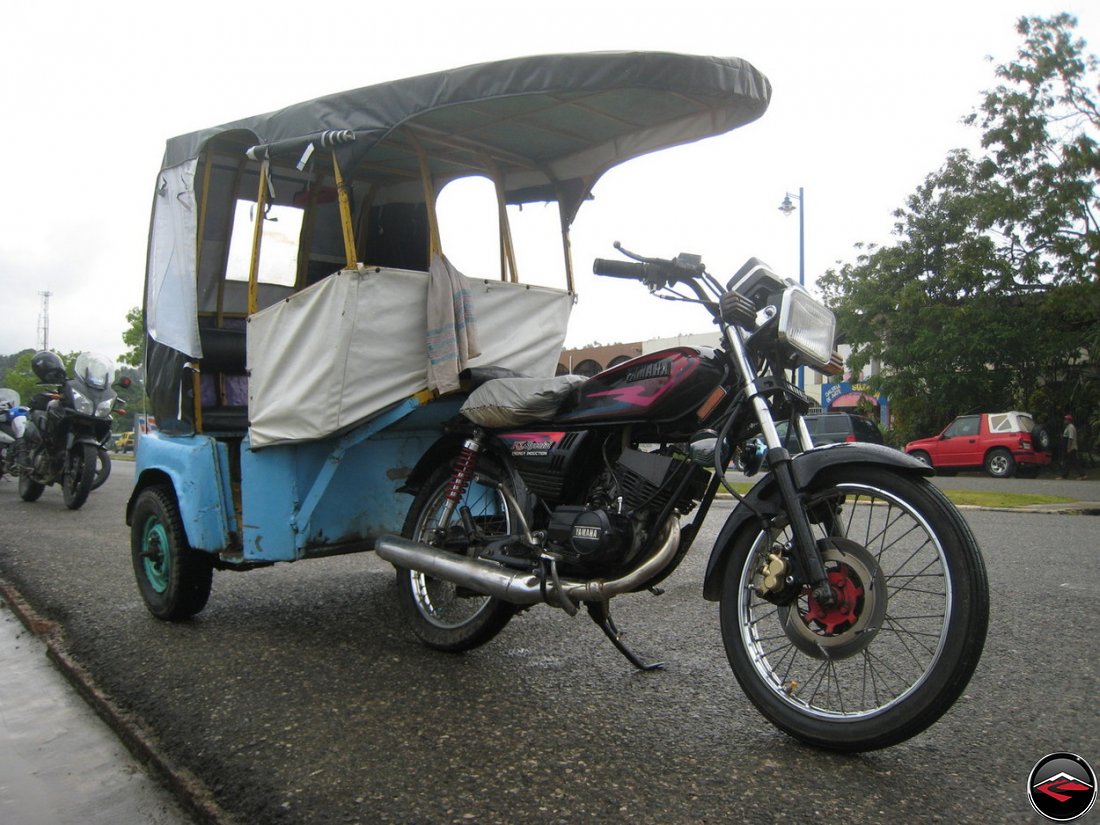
[(619, 269)]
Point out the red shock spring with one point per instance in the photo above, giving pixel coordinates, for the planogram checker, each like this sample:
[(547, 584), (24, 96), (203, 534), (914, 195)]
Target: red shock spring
[(464, 468)]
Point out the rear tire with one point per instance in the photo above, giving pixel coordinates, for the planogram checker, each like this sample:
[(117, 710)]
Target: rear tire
[(174, 580), (907, 631), (999, 463), (443, 616)]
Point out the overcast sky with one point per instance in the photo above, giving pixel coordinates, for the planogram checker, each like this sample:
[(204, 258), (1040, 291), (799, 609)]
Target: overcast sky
[(867, 101)]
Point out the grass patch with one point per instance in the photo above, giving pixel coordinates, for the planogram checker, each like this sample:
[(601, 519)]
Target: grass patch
[(974, 498), (977, 498)]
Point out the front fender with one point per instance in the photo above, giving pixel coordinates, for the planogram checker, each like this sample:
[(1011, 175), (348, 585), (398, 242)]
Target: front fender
[(764, 497), (197, 469)]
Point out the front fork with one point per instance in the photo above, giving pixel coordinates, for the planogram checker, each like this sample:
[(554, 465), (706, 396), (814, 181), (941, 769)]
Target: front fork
[(806, 551)]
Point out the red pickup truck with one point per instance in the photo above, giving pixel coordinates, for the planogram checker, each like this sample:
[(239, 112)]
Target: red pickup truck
[(1003, 443)]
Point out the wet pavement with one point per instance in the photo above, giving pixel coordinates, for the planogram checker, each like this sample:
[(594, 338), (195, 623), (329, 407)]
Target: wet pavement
[(59, 763)]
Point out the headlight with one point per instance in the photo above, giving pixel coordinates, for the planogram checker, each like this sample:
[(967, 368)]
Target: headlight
[(103, 408), (807, 326), (81, 403)]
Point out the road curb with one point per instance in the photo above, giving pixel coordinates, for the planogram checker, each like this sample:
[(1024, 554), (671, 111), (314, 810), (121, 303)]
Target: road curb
[(189, 790), (1076, 508)]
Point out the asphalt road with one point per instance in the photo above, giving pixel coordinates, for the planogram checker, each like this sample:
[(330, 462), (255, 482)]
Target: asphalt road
[(298, 696)]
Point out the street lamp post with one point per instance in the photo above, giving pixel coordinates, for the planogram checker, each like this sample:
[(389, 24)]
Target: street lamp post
[(787, 208)]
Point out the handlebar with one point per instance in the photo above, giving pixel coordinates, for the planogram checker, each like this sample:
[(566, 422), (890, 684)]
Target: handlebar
[(654, 272), (620, 269)]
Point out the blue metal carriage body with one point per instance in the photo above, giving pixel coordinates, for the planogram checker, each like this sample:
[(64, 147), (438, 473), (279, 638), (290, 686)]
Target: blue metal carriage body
[(297, 500)]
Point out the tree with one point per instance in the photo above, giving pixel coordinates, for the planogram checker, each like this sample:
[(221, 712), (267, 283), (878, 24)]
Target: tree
[(134, 339), (1040, 129), (22, 379), (989, 297)]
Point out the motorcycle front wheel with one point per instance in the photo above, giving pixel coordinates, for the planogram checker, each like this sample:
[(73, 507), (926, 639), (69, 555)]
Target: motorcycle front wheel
[(103, 468), (906, 632), (442, 615), (79, 475)]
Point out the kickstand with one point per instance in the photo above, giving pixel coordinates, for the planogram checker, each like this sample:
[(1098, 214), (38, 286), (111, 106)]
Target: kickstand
[(601, 615)]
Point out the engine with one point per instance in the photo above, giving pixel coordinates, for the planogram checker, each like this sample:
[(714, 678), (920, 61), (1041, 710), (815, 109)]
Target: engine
[(607, 534)]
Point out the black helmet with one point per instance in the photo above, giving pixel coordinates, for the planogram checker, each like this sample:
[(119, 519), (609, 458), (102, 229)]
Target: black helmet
[(49, 367)]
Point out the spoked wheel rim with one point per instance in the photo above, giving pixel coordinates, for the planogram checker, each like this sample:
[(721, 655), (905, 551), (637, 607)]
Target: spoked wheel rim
[(441, 603), (156, 560), (890, 573), (999, 464)]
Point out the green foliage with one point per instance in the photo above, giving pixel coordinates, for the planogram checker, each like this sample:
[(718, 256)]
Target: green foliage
[(21, 378), (989, 298), (132, 398), (134, 339), (18, 376)]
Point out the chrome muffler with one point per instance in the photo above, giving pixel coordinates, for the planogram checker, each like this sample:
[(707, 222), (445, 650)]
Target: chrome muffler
[(519, 587)]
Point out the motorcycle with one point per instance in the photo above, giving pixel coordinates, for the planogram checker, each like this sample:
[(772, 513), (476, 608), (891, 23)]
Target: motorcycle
[(13, 420), (297, 411), (853, 597), (67, 429)]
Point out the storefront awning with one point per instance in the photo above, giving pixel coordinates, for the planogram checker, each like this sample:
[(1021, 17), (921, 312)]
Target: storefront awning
[(851, 400)]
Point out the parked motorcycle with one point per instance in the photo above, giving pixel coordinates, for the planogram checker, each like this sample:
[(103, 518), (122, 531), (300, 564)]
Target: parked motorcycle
[(853, 597), (13, 420), (68, 428)]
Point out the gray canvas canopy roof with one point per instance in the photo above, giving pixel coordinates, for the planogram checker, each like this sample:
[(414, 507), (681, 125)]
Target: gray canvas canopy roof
[(541, 128), (549, 125)]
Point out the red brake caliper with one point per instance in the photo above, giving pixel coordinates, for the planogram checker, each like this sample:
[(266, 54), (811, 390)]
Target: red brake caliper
[(842, 615)]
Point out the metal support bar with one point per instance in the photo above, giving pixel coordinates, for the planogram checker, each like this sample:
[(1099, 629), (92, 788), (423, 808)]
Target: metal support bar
[(257, 237), (299, 520), (345, 214)]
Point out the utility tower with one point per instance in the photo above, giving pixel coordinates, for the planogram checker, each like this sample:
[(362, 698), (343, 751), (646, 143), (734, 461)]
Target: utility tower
[(44, 321)]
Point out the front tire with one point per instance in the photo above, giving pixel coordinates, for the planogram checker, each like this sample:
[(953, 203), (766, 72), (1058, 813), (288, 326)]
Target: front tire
[(103, 470), (29, 489), (79, 475), (443, 616), (174, 579), (922, 457), (906, 633)]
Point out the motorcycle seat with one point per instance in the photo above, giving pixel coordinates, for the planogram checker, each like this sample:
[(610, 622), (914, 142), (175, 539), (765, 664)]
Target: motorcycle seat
[(510, 402)]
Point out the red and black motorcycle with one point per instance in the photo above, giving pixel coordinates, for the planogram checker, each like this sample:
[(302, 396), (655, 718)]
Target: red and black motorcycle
[(853, 596)]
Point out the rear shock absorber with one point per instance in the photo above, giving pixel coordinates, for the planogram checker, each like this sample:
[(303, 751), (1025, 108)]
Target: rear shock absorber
[(463, 472)]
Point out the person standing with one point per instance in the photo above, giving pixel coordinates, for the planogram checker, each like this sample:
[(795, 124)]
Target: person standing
[(1069, 450)]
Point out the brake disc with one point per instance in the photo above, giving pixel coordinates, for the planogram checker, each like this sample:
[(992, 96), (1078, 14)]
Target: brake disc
[(845, 628)]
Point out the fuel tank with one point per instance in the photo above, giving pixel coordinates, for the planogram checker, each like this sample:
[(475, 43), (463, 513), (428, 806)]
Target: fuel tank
[(661, 386)]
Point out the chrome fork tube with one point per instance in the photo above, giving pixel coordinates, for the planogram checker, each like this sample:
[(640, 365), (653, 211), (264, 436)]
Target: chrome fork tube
[(748, 378), (779, 460), (804, 438)]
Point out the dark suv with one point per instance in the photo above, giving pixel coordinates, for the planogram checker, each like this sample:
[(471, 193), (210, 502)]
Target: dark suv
[(833, 428)]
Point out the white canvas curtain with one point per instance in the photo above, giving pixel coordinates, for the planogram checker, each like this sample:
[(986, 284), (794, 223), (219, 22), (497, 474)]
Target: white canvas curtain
[(351, 345), (170, 278)]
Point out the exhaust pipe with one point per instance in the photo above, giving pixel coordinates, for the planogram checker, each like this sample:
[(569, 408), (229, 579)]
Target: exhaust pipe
[(518, 587)]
